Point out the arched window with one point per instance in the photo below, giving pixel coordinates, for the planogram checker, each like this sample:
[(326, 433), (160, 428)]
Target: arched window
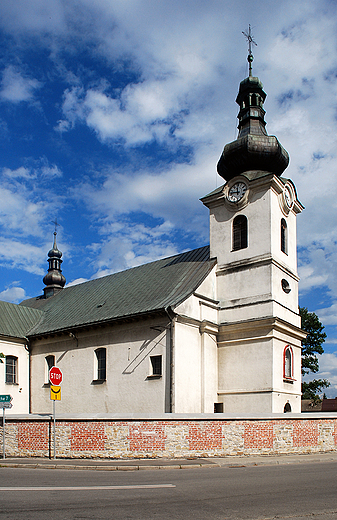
[(101, 364), (287, 407), (288, 362), (284, 237), (50, 362), (240, 235)]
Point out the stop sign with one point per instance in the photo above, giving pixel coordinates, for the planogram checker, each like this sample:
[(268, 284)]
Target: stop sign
[(55, 376)]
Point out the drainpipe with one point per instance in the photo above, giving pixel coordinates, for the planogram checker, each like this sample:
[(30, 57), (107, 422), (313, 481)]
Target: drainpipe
[(27, 347), (172, 318)]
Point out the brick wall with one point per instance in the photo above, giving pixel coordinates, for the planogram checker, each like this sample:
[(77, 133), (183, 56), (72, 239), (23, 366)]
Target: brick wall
[(168, 437)]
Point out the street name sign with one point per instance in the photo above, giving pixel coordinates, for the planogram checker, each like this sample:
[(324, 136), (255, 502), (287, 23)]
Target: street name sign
[(6, 398), (55, 376)]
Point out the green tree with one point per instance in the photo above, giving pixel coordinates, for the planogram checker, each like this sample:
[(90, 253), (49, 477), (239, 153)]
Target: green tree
[(1, 356), (311, 346)]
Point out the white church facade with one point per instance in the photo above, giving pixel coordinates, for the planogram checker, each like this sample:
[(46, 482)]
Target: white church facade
[(216, 329)]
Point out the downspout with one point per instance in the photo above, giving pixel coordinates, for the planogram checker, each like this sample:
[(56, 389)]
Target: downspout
[(28, 348), (172, 318)]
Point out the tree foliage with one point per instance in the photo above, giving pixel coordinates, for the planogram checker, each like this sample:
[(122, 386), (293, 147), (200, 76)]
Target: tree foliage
[(1, 356), (311, 346)]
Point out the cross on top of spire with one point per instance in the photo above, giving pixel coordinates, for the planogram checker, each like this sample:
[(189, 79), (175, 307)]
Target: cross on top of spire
[(250, 39), (55, 224)]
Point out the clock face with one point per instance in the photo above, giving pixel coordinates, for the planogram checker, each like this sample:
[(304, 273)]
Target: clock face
[(287, 197), (237, 191)]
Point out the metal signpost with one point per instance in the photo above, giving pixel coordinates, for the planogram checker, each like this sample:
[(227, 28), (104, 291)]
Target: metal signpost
[(5, 402), (55, 378)]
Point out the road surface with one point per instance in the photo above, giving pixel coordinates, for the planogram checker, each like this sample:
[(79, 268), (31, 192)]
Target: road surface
[(294, 491)]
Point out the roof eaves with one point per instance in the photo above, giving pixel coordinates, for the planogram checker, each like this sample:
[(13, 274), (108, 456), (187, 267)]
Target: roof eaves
[(103, 322)]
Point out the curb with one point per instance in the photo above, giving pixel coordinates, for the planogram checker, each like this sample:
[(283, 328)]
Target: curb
[(218, 463)]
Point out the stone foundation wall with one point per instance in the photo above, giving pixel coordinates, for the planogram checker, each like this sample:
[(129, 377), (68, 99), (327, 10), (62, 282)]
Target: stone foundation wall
[(130, 438)]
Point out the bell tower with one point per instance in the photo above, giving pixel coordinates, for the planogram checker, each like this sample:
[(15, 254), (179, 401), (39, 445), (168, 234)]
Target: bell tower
[(253, 237)]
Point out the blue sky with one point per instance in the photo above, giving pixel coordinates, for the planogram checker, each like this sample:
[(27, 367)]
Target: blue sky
[(113, 115)]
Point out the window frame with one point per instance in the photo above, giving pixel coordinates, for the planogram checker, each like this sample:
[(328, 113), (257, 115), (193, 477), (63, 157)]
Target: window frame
[(284, 236), (156, 367), (288, 372), (11, 378), (100, 364), (48, 366), (239, 233)]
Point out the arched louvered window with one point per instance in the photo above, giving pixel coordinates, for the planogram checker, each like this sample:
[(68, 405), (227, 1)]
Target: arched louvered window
[(284, 237), (240, 232)]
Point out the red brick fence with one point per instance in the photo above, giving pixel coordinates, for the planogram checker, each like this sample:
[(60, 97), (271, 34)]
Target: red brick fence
[(169, 436)]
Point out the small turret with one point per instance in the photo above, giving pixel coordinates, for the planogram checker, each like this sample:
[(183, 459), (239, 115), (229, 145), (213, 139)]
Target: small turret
[(54, 279)]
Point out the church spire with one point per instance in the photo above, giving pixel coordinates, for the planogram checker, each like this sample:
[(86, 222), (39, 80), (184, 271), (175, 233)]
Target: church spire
[(254, 149), (54, 279)]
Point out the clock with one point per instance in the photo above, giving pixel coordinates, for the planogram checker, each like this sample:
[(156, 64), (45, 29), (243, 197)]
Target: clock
[(236, 192), (287, 197)]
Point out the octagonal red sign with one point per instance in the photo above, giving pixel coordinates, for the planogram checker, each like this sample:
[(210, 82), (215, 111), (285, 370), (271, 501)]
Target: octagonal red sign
[(55, 376)]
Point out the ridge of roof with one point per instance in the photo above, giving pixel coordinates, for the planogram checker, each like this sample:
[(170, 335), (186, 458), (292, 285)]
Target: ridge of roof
[(146, 288)]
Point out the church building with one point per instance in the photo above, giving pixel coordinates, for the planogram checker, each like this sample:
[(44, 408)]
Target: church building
[(216, 329)]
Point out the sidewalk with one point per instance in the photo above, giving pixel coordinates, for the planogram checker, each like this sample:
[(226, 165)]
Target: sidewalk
[(146, 464)]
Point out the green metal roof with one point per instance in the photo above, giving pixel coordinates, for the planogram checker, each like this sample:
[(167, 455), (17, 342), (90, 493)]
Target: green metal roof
[(147, 288), (16, 320)]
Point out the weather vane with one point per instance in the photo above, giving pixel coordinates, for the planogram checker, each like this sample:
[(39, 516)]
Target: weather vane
[(250, 40)]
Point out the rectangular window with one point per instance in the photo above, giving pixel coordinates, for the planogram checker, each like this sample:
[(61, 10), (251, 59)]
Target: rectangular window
[(156, 365), (101, 364), (11, 369)]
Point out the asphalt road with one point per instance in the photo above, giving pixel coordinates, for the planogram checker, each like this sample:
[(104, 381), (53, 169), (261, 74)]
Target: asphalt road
[(294, 491)]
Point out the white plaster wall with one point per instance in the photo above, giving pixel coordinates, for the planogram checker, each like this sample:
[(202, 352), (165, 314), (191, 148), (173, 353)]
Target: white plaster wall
[(210, 372), (187, 369), (246, 366), (247, 403), (289, 300), (279, 400), (20, 390), (244, 285), (195, 369), (126, 389)]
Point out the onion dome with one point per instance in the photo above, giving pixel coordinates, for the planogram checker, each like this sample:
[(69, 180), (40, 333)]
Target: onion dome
[(54, 279), (254, 149)]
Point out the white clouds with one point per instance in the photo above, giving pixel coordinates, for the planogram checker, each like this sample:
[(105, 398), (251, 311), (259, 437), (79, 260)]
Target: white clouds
[(328, 315), (133, 245), (16, 88), (13, 294), (21, 172), (185, 70), (22, 255)]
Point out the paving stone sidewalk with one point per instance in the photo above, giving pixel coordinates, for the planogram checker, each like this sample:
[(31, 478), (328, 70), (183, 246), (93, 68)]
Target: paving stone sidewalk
[(147, 464)]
